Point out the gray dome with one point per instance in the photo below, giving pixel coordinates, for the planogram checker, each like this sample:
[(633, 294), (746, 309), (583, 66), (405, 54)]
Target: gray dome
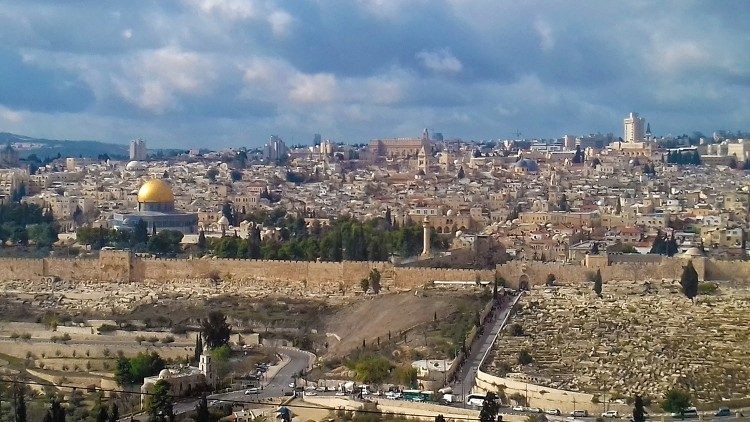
[(527, 164)]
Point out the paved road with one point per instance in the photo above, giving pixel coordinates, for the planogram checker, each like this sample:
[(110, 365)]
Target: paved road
[(272, 388), (466, 376)]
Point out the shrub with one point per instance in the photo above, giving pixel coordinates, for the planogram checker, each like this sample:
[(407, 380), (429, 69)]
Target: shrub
[(516, 330), (524, 357), (140, 339), (167, 340), (26, 336), (106, 328), (15, 335), (707, 288), (153, 339)]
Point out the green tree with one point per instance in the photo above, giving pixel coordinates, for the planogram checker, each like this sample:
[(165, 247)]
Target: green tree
[(639, 413), (19, 403), (114, 413), (406, 375), (56, 413), (216, 331), (373, 369), (101, 415), (211, 174), (201, 410), (374, 280), (122, 371), (689, 281), (145, 365), (598, 282), (364, 284), (439, 418), (220, 357), (166, 241), (676, 401), (551, 279), (490, 408), (159, 403), (140, 233)]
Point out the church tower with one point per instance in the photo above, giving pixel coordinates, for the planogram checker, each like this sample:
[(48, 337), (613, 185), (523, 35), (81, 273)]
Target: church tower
[(422, 161)]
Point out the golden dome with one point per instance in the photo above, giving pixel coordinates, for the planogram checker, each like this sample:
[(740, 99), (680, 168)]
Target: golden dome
[(155, 191)]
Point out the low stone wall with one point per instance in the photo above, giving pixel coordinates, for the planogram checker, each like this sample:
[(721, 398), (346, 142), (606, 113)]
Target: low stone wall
[(538, 396)]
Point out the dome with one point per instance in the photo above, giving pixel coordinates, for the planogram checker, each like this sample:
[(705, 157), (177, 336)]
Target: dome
[(155, 191), (165, 374), (527, 165), (692, 252), (134, 166)]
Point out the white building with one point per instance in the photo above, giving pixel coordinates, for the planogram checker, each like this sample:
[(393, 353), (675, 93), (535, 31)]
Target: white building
[(184, 380), (635, 128), (138, 150)]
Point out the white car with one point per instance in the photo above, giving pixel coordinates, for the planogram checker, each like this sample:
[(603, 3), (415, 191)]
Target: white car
[(518, 408), (254, 390), (611, 414), (555, 412), (340, 393), (311, 393), (291, 385)]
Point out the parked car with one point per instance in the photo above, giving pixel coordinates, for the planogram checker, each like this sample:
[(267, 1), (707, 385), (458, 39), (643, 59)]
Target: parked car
[(518, 408), (311, 393), (611, 414), (534, 410), (723, 411), (254, 390), (555, 412), (579, 413), (340, 393), (690, 412)]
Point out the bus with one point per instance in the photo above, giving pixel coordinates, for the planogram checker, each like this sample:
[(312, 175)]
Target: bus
[(418, 395), (475, 399)]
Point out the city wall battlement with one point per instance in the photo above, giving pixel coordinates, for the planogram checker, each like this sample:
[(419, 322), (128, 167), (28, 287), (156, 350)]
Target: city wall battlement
[(122, 266)]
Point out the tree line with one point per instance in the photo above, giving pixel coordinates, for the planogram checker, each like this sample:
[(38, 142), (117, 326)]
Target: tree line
[(345, 239), (22, 223)]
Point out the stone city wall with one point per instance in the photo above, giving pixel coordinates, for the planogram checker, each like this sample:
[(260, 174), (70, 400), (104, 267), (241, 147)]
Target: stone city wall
[(341, 277)]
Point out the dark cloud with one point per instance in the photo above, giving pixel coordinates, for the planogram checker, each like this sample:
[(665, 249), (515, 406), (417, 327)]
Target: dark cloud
[(356, 69)]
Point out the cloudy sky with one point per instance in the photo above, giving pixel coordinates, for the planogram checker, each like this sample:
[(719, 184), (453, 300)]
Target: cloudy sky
[(231, 72)]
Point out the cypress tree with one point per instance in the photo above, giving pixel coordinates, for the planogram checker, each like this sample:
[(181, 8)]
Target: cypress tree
[(198, 348), (598, 283), (639, 414), (689, 281)]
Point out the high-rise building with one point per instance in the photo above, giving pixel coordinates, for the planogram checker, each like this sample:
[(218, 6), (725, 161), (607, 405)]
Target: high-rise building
[(635, 128), (138, 150), (275, 149), (317, 139)]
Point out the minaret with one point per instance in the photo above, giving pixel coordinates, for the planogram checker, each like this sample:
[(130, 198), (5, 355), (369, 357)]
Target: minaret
[(426, 237)]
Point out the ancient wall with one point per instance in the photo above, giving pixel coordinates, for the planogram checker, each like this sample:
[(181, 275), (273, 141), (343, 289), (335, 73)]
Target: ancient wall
[(338, 277), (727, 270), (536, 272)]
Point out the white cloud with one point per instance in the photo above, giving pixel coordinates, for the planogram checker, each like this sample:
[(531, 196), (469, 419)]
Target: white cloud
[(440, 61), (229, 9), (544, 32), (309, 89), (10, 116), (153, 79), (280, 21), (127, 34)]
